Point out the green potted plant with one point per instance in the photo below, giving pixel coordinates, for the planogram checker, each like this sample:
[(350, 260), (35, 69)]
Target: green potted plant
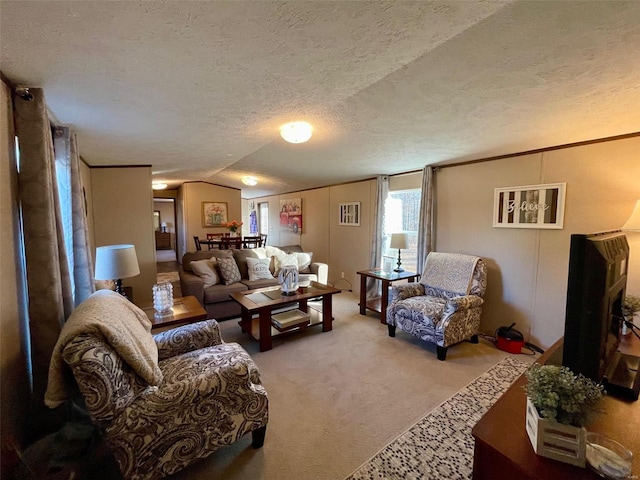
[(559, 405), (630, 307)]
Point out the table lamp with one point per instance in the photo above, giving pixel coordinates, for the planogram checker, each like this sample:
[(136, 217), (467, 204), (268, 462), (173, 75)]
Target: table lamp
[(399, 241), (115, 262)]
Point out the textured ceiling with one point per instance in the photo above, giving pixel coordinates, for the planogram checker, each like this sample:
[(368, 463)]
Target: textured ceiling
[(198, 89)]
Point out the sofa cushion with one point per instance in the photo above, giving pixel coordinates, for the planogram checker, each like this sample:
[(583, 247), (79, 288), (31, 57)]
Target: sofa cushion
[(189, 257), (220, 293), (241, 256), (207, 271), (291, 248), (286, 259), (229, 270), (265, 282), (304, 261), (259, 268)]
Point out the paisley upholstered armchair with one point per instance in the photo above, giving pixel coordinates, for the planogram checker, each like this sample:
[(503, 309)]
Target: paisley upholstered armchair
[(445, 306), (160, 401)]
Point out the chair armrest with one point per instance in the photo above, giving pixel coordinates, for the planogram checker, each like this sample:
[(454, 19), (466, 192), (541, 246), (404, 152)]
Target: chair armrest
[(464, 302), (187, 338), (321, 270), (405, 290), (192, 284)]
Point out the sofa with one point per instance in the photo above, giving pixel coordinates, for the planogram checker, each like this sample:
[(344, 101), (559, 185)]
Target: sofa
[(211, 277)]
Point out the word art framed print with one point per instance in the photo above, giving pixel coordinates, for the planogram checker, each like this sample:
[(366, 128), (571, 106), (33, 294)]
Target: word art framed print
[(530, 206)]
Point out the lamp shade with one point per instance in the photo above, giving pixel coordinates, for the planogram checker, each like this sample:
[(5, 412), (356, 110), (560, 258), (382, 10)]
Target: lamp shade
[(399, 241), (116, 261), (633, 224)]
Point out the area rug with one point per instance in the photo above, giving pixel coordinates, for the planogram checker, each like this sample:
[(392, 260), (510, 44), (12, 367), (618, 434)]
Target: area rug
[(168, 277), (440, 446)]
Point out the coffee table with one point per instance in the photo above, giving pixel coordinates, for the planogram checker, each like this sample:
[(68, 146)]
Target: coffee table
[(264, 301), (185, 310)]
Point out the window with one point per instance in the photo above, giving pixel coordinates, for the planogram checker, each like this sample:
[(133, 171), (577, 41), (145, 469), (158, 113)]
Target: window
[(263, 221), (402, 214)]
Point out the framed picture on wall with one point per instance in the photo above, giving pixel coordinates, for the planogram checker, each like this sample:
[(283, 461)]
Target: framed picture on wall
[(214, 214), (349, 214), (530, 206), (291, 214)]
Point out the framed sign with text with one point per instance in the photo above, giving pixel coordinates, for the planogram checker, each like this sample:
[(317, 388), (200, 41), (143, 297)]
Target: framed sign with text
[(530, 206)]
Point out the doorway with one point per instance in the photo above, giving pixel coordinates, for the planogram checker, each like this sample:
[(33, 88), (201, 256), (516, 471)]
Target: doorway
[(165, 226)]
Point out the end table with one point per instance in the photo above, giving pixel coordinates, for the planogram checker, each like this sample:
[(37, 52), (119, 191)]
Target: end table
[(380, 304), (185, 310)]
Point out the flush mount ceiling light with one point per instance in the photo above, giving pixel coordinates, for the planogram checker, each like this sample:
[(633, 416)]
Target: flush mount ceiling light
[(296, 132), (158, 185), (249, 180)]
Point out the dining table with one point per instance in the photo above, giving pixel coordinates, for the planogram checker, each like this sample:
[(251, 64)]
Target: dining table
[(223, 243)]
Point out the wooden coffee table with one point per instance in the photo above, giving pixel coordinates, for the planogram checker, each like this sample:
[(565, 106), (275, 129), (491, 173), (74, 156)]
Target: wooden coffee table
[(263, 301), (185, 310)]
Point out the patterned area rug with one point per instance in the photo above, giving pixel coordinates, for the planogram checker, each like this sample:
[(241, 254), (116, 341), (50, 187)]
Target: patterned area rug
[(440, 446), (168, 277)]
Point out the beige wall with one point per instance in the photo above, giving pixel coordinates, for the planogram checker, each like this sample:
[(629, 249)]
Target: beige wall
[(344, 249), (122, 202), (191, 195), (528, 267), (14, 393)]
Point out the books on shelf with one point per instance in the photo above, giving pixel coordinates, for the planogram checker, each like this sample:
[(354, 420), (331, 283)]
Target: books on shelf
[(290, 318)]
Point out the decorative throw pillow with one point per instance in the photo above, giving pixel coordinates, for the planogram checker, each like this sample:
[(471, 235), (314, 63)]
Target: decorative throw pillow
[(259, 268), (261, 252), (206, 270), (286, 259), (273, 251), (228, 270), (304, 260)]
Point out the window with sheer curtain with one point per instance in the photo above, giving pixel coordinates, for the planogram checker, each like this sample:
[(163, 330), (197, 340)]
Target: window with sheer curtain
[(263, 221), (402, 214)]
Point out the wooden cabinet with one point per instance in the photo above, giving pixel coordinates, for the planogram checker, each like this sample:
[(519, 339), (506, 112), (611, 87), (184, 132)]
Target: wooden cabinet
[(163, 241), (502, 447)]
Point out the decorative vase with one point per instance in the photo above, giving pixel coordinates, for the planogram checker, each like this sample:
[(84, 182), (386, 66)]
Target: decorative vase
[(163, 298), (554, 440), (288, 279)]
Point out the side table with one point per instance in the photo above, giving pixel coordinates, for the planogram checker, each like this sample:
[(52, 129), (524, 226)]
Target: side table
[(185, 310), (380, 304)]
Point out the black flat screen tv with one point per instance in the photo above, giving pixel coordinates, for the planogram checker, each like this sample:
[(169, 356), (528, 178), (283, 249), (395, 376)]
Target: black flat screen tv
[(593, 319)]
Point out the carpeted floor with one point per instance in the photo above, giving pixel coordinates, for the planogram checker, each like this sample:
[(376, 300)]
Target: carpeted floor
[(441, 445), (337, 398)]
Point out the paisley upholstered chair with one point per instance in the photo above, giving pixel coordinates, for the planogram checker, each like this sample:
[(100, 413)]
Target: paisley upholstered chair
[(203, 393), (445, 306)]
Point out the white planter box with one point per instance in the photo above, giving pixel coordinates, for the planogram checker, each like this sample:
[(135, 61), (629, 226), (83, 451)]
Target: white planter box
[(554, 440)]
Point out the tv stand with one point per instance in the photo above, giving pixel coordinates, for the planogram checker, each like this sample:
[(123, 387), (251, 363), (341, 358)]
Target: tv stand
[(503, 449), (622, 378)]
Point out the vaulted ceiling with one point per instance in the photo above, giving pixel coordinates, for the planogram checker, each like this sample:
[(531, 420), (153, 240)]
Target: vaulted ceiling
[(198, 89)]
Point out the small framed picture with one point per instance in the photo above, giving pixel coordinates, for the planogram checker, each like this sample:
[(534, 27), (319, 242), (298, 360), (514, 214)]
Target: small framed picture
[(349, 214), (530, 206), (214, 214)]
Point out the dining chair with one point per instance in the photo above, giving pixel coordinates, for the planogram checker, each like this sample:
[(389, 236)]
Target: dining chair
[(252, 241), (198, 246), (264, 239), (214, 237), (230, 242)]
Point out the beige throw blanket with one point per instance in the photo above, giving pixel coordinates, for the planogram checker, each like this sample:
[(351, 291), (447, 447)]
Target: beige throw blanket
[(121, 324), (449, 271)]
